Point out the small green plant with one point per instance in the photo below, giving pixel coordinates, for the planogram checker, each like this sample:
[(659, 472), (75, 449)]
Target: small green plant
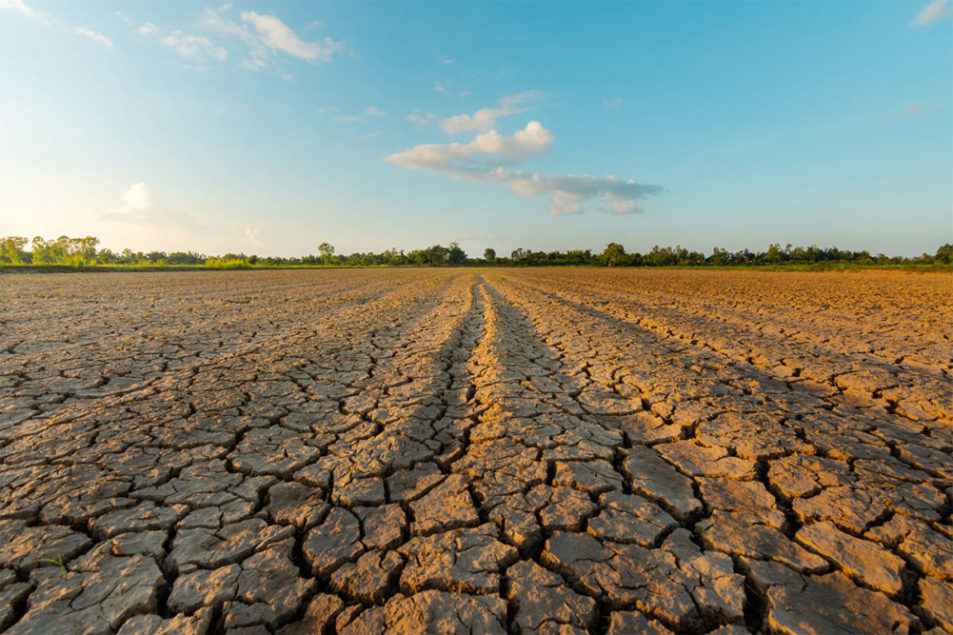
[(58, 562)]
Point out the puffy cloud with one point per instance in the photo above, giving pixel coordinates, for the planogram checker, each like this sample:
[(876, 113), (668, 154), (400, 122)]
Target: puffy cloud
[(19, 6), (462, 158), (92, 35), (933, 12), (279, 36), (194, 47), (137, 198), (148, 29), (252, 234), (485, 118), (484, 158)]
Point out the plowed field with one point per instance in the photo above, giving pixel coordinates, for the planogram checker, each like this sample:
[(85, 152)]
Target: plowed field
[(476, 451)]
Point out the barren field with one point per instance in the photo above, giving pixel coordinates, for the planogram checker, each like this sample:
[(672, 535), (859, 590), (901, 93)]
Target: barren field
[(476, 451)]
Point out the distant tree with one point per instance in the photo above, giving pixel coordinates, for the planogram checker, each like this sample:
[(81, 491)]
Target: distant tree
[(437, 255), (944, 255), (11, 250), (455, 255), (614, 253), (489, 254), (720, 256), (327, 252)]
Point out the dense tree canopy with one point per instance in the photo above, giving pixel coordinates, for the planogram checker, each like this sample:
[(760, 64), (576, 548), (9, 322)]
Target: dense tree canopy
[(82, 252)]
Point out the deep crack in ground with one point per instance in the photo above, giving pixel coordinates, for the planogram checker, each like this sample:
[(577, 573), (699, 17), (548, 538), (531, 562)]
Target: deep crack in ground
[(510, 450)]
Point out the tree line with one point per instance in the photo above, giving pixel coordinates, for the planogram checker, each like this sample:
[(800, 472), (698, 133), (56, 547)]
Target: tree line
[(83, 252)]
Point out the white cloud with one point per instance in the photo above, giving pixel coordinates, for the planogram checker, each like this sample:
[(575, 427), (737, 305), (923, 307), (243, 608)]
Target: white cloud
[(438, 87), (148, 29), (463, 159), (252, 234), (421, 117), (254, 64), (137, 198), (933, 12), (486, 157), (279, 36), (448, 61), (485, 118), (92, 35), (194, 47), (620, 205), (212, 19), (374, 111), (566, 203), (612, 104), (142, 218), (347, 118), (19, 6)]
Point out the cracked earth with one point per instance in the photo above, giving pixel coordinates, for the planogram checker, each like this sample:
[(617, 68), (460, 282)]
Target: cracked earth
[(463, 451)]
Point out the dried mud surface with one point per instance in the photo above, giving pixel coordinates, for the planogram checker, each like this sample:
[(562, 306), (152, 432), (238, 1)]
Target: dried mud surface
[(476, 451)]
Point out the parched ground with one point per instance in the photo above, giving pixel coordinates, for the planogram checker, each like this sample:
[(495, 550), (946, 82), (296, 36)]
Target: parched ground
[(476, 451)]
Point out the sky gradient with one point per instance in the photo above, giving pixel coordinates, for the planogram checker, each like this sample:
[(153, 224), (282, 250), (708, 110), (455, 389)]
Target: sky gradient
[(271, 127)]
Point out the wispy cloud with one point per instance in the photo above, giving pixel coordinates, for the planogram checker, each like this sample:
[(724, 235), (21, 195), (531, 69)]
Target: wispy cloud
[(421, 117), (485, 118), (279, 36), (374, 111), (612, 104), (933, 12), (571, 191), (197, 49), (910, 110), (20, 7), (916, 109), (265, 37), (148, 29), (93, 35)]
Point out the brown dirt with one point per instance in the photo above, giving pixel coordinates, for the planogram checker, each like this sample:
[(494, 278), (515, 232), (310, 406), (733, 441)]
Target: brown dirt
[(460, 451)]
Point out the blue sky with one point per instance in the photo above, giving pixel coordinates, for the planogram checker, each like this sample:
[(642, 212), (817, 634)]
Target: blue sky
[(271, 127)]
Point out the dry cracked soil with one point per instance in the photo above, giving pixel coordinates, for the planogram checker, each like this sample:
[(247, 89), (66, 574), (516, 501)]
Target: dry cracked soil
[(476, 452)]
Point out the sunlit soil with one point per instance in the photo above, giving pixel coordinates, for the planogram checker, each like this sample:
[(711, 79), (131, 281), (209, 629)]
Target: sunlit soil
[(487, 451)]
